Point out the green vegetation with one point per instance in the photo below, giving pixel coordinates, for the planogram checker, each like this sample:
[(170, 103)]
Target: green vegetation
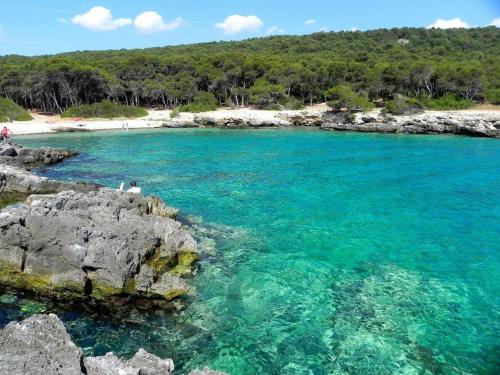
[(266, 72), (493, 95), (202, 102), (445, 102), (11, 111), (343, 96), (402, 105), (104, 109)]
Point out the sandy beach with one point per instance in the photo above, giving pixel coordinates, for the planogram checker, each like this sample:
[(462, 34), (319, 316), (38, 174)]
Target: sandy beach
[(43, 123)]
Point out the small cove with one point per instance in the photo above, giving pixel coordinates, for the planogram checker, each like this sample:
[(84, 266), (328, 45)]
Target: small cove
[(327, 252)]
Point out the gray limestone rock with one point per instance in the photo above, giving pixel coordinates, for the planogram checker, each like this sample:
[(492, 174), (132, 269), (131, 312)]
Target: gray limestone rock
[(102, 243), (38, 345)]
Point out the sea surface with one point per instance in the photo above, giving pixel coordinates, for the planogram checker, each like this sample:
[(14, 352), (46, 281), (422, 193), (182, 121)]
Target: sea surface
[(323, 252)]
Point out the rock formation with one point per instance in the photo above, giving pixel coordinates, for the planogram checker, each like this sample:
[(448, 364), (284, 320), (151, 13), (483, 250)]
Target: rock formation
[(484, 125), (40, 345), (73, 240), (100, 244), (16, 155)]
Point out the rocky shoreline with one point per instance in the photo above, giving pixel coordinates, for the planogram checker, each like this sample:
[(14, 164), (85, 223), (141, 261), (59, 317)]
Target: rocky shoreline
[(482, 124), (40, 345), (82, 242), (77, 241)]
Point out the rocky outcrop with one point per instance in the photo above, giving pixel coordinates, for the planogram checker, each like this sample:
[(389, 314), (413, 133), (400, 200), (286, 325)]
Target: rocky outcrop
[(246, 118), (235, 122), (460, 123), (98, 244), (141, 363), (369, 127), (15, 177), (40, 345), (16, 155), (19, 180)]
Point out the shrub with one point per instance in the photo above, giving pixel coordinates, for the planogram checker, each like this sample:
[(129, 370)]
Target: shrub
[(202, 102), (266, 95), (493, 96), (403, 106), (343, 96), (11, 111), (105, 109), (291, 103), (175, 113), (445, 102)]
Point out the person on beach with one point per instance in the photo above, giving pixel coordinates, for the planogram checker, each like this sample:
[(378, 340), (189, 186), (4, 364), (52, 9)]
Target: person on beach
[(133, 188), (5, 134)]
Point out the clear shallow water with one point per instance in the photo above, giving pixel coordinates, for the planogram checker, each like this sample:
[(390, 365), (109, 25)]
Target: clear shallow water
[(327, 253)]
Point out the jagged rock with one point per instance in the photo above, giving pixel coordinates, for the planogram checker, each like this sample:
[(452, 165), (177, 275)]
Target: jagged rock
[(13, 154), (14, 179), (369, 119), (38, 345), (369, 127), (142, 363), (231, 122), (102, 243), (206, 371)]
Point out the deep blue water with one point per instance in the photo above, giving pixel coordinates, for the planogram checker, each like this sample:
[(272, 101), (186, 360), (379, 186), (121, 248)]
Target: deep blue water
[(325, 253)]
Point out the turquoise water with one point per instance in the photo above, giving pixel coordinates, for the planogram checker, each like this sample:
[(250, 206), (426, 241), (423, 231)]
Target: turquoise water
[(325, 253)]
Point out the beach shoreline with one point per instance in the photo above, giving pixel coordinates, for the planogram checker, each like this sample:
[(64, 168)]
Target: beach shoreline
[(312, 116)]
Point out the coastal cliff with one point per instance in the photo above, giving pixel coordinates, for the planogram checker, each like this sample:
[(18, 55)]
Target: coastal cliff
[(40, 345)]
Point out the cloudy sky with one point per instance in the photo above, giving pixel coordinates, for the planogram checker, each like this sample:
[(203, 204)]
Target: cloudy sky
[(33, 27)]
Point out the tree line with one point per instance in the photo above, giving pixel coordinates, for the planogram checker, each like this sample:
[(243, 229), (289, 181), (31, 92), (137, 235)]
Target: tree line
[(378, 64)]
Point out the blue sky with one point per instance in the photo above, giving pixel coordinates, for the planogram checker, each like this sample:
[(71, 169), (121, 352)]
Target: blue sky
[(33, 27)]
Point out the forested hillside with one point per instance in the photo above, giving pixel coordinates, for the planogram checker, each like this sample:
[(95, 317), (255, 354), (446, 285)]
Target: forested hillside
[(379, 64)]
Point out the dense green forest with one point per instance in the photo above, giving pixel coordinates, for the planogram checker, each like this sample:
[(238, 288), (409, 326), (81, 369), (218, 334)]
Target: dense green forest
[(414, 62)]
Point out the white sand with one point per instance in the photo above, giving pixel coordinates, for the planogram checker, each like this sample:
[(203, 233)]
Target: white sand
[(156, 118)]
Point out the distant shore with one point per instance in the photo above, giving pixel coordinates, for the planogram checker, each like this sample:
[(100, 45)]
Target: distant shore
[(253, 118)]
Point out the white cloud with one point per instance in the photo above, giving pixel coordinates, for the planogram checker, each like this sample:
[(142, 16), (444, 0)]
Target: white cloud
[(100, 19), (354, 28), (236, 23), (275, 30), (495, 22), (152, 22), (310, 21), (454, 23)]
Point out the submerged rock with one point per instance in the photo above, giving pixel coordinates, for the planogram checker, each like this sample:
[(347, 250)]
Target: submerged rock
[(100, 244), (40, 345)]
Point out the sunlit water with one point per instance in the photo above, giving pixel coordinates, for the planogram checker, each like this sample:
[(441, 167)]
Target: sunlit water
[(325, 253)]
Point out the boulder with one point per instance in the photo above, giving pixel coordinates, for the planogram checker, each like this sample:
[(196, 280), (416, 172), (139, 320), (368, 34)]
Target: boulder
[(38, 345), (101, 244), (206, 371), (142, 363)]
